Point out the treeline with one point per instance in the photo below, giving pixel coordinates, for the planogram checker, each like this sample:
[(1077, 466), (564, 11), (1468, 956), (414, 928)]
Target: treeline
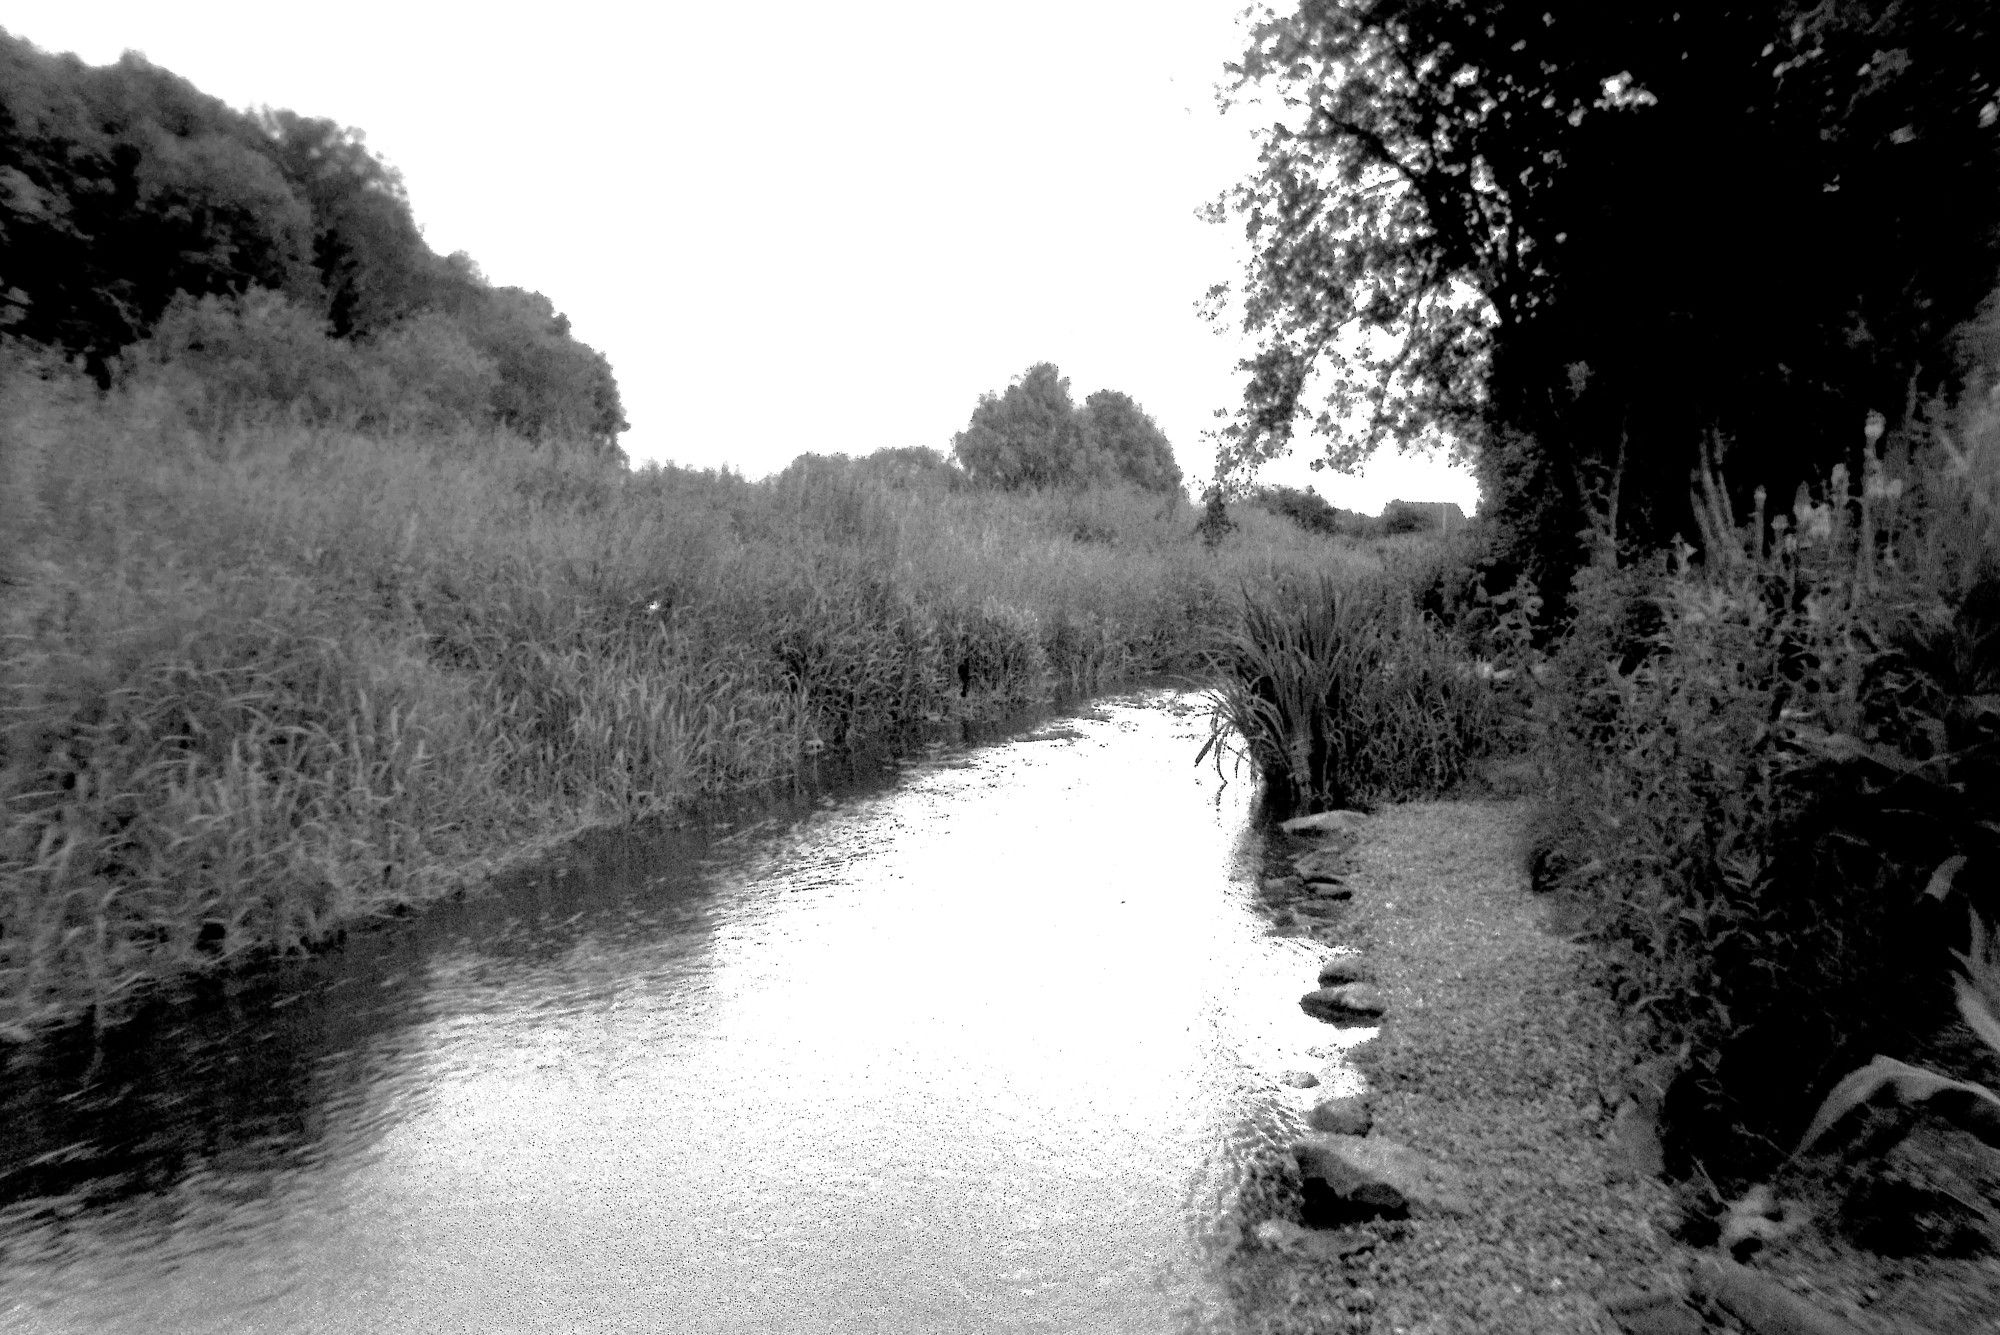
[(145, 223), (1315, 514), (1031, 436)]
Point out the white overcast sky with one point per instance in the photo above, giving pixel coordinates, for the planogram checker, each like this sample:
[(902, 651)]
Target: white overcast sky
[(794, 226)]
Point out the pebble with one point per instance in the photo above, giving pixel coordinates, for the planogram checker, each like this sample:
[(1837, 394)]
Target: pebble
[(1344, 1115), (1347, 1002), (1339, 969)]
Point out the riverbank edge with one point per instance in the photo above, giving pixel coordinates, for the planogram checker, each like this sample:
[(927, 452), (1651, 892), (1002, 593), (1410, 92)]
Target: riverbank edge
[(551, 851), (1498, 1057)]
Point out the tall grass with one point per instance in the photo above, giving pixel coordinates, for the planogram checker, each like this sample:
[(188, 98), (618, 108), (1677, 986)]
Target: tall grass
[(262, 681), (1342, 691)]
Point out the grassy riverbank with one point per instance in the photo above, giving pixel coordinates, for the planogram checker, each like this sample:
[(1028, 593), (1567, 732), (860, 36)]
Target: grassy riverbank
[(1766, 768), (262, 684)]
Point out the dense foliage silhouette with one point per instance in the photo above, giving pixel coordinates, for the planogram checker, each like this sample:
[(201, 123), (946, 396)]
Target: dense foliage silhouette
[(123, 188), (1588, 243)]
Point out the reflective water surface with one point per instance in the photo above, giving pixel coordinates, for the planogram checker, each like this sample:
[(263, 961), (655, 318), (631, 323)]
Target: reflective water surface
[(990, 1048)]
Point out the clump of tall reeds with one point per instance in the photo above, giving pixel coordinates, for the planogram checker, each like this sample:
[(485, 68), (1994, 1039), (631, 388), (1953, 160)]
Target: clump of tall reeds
[(1342, 691)]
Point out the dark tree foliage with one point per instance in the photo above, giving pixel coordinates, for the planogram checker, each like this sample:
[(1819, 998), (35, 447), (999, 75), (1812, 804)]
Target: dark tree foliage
[(1586, 241), (1311, 511), (124, 187), (1032, 434), (1421, 517), (550, 384), (373, 265)]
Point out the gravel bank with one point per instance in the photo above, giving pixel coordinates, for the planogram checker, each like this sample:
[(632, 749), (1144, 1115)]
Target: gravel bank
[(1496, 1057)]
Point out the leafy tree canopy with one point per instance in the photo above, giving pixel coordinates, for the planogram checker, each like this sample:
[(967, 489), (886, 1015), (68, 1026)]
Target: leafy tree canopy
[(1584, 241), (1123, 438), (371, 259), (124, 188), (1032, 434), (1028, 435), (911, 466)]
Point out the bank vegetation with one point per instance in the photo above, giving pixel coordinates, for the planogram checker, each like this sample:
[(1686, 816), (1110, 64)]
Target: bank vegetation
[(266, 675)]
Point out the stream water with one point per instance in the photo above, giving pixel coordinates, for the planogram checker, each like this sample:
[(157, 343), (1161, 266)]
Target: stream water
[(995, 1046)]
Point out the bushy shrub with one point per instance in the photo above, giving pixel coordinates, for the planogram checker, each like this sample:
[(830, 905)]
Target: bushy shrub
[(1215, 523), (912, 466), (265, 357), (435, 377), (228, 358), (1308, 509), (504, 358), (1401, 517), (1755, 762)]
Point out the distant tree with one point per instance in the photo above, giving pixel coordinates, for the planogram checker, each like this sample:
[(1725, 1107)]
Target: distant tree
[(1032, 434), (1215, 523), (911, 466), (373, 263), (550, 384), (1422, 517), (1028, 435), (126, 193), (1399, 517), (1308, 509), (812, 469), (1313, 513), (1120, 436)]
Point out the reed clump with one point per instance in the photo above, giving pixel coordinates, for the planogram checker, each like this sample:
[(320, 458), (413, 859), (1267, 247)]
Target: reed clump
[(266, 677), (1344, 692)]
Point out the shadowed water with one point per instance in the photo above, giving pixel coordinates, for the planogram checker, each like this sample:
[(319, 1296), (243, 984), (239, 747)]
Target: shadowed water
[(991, 1048)]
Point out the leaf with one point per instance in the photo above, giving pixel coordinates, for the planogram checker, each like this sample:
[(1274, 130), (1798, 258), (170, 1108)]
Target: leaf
[(1978, 1015), (1941, 879), (1979, 990), (1842, 748), (1910, 1085), (1834, 746)]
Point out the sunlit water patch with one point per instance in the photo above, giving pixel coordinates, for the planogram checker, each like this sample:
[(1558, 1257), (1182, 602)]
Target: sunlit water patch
[(993, 1048)]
